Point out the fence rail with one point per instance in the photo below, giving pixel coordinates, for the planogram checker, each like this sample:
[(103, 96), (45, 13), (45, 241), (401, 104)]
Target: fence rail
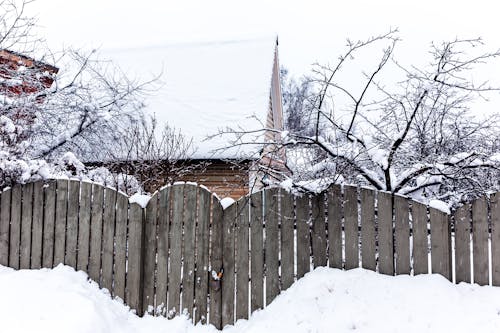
[(184, 252)]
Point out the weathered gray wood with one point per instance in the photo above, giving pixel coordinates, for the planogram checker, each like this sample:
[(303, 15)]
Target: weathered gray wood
[(242, 261), (60, 222), (440, 243), (335, 226), (15, 227), (84, 226), (37, 226), (256, 253), (385, 240), (174, 277), (402, 235), (368, 238), (133, 292), (287, 240), (26, 219), (495, 238), (149, 257), (462, 244), (163, 244), (480, 241), (318, 230), (202, 248), (228, 256), (351, 227), (120, 252), (216, 244), (72, 223), (420, 243), (303, 236), (190, 192), (96, 226), (108, 233), (4, 226), (271, 217), (49, 213)]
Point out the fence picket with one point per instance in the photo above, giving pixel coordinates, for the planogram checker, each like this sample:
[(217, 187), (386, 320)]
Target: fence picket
[(5, 205), (495, 238), (108, 234), (15, 227), (84, 226), (318, 232), (480, 241), (271, 222), (72, 223), (216, 265), (120, 251), (96, 226), (189, 248), (440, 243), (351, 227), (26, 220), (242, 261), (303, 236), (228, 280), (462, 243), (420, 243), (174, 276), (368, 238), (133, 291), (49, 214), (202, 251), (37, 226), (60, 222), (287, 240), (402, 235), (149, 258), (385, 234), (256, 253), (335, 227), (163, 245)]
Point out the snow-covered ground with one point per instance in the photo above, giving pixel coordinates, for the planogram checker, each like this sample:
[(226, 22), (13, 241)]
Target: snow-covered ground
[(326, 300)]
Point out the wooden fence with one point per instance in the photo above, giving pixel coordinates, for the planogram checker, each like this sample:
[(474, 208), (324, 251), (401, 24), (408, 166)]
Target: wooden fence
[(185, 253)]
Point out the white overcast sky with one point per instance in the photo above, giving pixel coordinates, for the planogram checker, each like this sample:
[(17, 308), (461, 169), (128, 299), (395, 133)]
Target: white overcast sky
[(309, 31)]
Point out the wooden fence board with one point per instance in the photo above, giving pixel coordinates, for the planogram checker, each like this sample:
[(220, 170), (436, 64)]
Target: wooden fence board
[(351, 227), (15, 227), (287, 240), (96, 226), (228, 280), (72, 223), (420, 243), (108, 233), (256, 253), (303, 236), (385, 234), (120, 252), (26, 221), (440, 243), (495, 238), (133, 292), (368, 236), (318, 230), (163, 246), (60, 222), (84, 226), (335, 227), (402, 235), (462, 244), (202, 251), (216, 264), (49, 214), (480, 241), (242, 260), (149, 257), (4, 226), (189, 248), (37, 227), (174, 277), (271, 218)]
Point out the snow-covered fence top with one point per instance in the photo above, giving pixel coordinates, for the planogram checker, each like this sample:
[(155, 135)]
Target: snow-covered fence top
[(184, 252)]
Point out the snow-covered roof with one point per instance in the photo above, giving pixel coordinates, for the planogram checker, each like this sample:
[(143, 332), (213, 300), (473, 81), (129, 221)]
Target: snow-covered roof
[(205, 87)]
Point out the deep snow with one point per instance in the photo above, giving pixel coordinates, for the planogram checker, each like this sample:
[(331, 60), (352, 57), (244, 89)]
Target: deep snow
[(326, 300)]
